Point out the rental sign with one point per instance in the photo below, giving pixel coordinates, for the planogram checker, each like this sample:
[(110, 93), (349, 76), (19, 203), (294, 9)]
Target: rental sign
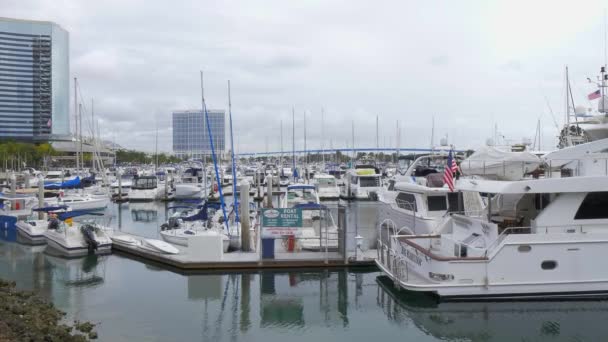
[(277, 223)]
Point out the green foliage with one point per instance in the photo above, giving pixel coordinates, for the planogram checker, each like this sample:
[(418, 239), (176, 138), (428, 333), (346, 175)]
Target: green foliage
[(138, 157), (35, 155)]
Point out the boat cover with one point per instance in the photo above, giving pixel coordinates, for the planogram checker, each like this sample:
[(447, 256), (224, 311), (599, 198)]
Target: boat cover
[(493, 163)]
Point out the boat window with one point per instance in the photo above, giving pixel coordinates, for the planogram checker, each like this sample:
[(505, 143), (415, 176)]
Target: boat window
[(406, 201), (455, 202), (593, 207), (524, 248), (541, 201), (548, 264), (437, 203), (354, 179), (369, 181)]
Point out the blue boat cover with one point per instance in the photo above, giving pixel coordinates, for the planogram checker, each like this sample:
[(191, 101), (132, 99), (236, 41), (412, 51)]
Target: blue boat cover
[(69, 184)]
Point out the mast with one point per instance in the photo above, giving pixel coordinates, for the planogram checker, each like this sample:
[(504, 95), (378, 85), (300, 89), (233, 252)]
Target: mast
[(202, 153), (377, 143), (76, 121), (323, 136), (213, 156), (293, 141), (305, 152), (234, 178), (281, 158), (433, 133), (398, 140), (93, 159), (353, 141), (80, 133)]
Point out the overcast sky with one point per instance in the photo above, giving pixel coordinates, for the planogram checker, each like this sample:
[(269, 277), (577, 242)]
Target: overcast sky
[(470, 64)]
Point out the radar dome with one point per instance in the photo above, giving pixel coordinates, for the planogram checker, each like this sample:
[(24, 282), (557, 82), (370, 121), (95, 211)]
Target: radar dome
[(443, 142)]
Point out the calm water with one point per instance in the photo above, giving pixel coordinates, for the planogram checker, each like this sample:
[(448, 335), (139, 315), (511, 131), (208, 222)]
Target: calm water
[(133, 301)]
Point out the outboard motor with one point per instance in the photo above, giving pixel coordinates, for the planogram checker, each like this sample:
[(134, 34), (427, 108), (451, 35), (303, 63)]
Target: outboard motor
[(88, 231)]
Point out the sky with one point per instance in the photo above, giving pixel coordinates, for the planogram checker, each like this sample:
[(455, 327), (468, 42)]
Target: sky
[(472, 67)]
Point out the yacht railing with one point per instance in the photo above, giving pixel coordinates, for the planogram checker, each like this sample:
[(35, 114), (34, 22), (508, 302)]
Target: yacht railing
[(564, 167)]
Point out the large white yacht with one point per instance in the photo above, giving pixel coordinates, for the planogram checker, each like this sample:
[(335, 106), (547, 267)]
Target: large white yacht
[(537, 238), (417, 199)]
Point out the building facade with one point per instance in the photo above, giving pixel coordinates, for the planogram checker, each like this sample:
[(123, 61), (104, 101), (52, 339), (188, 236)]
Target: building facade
[(34, 80), (190, 135)]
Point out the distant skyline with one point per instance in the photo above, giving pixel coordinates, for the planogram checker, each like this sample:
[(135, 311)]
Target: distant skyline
[(472, 65)]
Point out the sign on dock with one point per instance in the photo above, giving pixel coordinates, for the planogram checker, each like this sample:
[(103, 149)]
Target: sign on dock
[(277, 223)]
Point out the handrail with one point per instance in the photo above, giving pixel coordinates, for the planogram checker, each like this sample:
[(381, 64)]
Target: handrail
[(438, 257)]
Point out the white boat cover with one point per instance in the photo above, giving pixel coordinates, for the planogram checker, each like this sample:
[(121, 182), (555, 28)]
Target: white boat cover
[(493, 163)]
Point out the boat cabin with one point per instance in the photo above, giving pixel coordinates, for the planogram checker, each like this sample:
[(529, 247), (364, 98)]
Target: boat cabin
[(144, 183)]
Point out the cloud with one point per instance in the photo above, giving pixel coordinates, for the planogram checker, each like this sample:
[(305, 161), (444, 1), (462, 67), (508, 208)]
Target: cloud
[(140, 60)]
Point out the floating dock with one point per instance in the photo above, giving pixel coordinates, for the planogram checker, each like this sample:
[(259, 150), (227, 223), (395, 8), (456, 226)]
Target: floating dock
[(184, 261)]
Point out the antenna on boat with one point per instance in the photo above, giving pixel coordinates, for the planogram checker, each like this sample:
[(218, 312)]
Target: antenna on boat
[(293, 141), (323, 136)]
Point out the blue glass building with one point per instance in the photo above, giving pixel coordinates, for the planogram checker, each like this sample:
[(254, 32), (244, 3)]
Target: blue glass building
[(190, 137), (34, 80)]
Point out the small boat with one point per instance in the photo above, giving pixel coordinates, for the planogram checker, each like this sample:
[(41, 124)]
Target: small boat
[(145, 188), (78, 238), (125, 240), (159, 246), (33, 230), (326, 185), (362, 183)]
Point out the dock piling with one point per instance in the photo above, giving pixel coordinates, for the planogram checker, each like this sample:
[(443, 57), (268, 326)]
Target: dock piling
[(244, 213)]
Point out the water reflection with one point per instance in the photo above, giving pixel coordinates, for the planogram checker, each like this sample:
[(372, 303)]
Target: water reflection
[(496, 321)]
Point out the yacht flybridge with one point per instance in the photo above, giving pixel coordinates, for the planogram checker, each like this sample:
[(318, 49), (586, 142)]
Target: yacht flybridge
[(536, 238)]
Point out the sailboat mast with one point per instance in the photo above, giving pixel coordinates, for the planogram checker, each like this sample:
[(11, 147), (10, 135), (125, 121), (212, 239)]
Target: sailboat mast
[(202, 150), (305, 152), (323, 136), (80, 133), (234, 173), (76, 120), (293, 140)]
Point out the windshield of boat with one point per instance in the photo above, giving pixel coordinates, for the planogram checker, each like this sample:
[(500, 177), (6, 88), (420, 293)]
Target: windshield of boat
[(144, 183), (369, 181), (305, 194), (326, 182)]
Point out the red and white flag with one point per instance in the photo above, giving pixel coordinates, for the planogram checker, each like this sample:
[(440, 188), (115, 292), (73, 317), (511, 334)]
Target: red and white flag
[(448, 174), (595, 95)]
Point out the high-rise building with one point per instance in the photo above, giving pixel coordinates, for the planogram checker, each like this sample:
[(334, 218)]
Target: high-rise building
[(190, 135), (34, 80)]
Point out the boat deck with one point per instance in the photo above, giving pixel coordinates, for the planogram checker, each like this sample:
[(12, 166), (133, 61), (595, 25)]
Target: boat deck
[(247, 260)]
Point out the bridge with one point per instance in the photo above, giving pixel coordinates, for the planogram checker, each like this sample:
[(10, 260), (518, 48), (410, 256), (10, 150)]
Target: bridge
[(349, 150)]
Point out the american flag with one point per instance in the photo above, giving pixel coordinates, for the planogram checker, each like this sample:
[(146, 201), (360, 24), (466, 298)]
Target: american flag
[(595, 95), (450, 169)]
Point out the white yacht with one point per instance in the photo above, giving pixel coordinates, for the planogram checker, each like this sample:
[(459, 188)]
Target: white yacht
[(363, 182), (299, 194), (418, 200), (74, 239), (537, 239), (145, 188), (327, 186), (192, 185)]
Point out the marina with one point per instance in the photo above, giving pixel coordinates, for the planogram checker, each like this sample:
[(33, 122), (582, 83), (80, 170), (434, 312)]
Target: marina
[(315, 171)]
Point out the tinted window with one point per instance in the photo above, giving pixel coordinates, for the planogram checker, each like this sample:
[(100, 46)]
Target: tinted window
[(437, 203), (594, 206), (455, 202), (406, 201), (369, 181)]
